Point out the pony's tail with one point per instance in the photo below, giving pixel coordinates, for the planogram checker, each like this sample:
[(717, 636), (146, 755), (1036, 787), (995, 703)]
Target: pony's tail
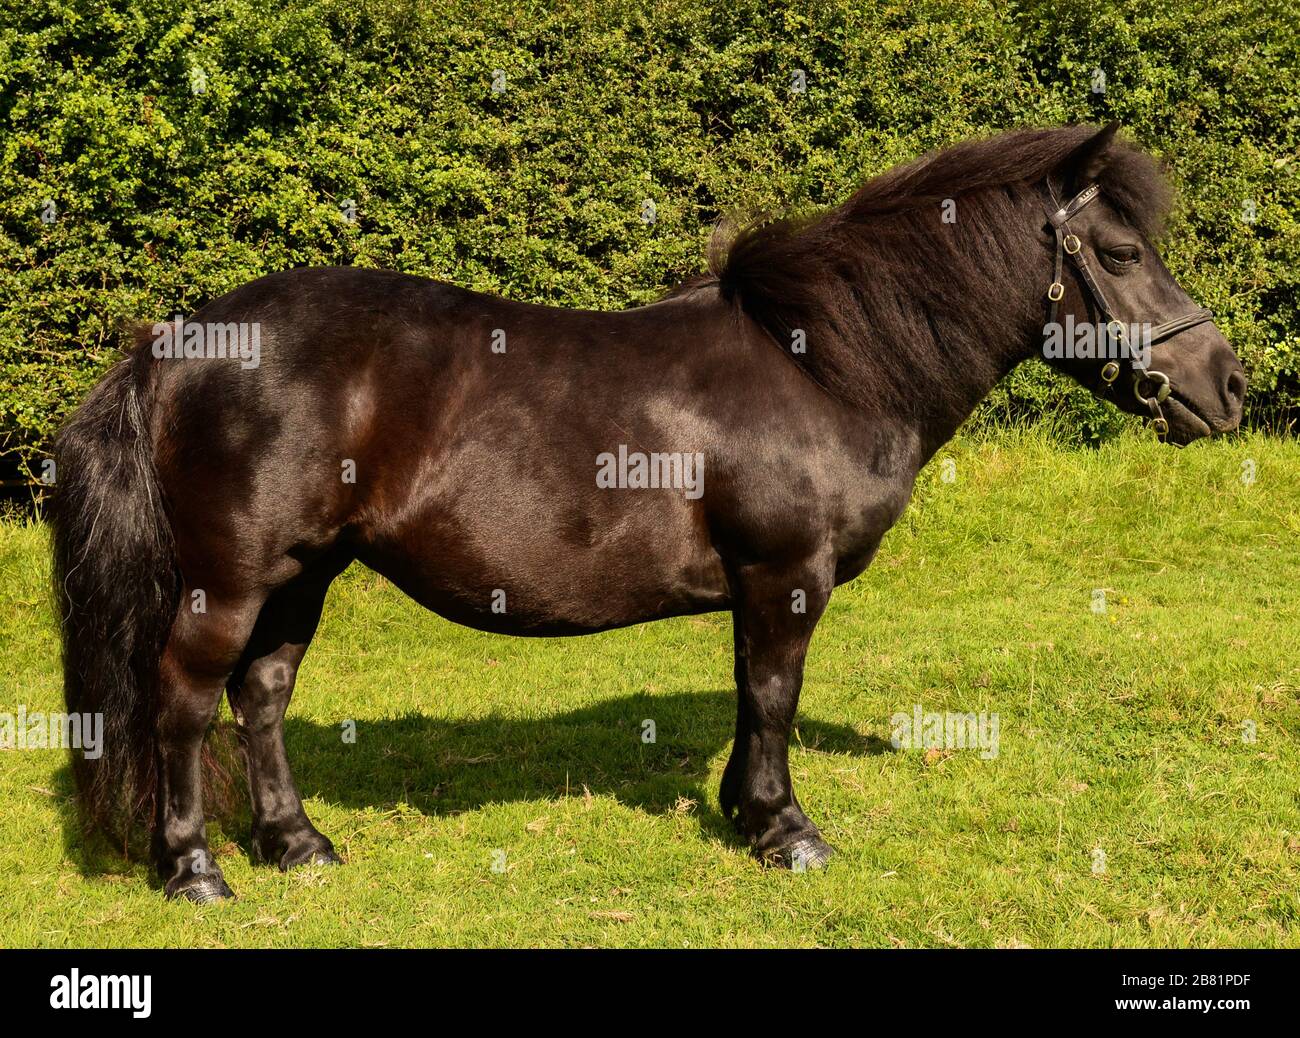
[(117, 587)]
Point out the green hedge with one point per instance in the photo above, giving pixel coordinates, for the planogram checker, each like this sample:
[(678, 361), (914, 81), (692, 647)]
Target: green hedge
[(189, 147)]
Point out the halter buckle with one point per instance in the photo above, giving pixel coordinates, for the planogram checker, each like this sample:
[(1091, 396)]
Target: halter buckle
[(1109, 372), (1071, 244), (1161, 381), (1160, 426), (1056, 292)]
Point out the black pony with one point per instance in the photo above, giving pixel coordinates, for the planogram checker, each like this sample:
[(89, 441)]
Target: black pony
[(742, 444)]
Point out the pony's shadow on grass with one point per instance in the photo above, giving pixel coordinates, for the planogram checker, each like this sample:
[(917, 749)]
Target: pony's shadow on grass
[(652, 753), (648, 752)]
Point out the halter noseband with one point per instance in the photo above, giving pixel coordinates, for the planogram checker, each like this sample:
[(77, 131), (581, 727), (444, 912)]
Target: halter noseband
[(1068, 244)]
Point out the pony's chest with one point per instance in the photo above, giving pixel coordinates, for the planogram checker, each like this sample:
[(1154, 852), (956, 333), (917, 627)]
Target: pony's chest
[(864, 519)]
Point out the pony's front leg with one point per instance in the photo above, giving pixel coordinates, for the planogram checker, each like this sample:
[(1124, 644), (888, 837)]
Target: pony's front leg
[(775, 611)]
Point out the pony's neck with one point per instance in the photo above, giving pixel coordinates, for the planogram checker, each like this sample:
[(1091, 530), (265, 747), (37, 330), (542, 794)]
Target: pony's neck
[(907, 312), (964, 387), (983, 311)]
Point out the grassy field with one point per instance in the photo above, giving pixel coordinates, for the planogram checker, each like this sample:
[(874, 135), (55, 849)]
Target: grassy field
[(1128, 804)]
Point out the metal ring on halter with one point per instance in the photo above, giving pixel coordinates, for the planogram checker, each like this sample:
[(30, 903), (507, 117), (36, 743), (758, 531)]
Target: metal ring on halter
[(1110, 372), (1160, 426), (1066, 244), (1159, 378), (1115, 330), (1056, 292)]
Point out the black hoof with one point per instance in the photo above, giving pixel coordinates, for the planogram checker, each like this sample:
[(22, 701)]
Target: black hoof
[(803, 855), (310, 856), (293, 848), (201, 889)]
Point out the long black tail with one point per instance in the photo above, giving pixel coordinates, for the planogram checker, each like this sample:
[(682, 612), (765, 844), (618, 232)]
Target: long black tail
[(117, 588)]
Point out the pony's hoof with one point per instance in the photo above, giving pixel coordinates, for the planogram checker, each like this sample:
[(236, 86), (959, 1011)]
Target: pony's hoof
[(310, 856), (288, 850), (201, 890), (803, 855)]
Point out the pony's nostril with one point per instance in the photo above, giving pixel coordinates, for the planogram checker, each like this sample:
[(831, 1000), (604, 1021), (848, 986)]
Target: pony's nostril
[(1236, 388)]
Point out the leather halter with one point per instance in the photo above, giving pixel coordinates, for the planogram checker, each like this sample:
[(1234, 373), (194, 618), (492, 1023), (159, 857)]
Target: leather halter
[(1059, 217)]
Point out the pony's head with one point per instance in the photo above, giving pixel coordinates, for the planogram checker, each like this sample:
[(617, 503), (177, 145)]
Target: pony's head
[(1118, 321)]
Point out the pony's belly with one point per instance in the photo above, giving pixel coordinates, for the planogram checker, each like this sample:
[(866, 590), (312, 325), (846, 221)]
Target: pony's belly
[(582, 595), (534, 576)]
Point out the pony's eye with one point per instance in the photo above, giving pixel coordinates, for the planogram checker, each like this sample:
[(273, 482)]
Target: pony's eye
[(1124, 255)]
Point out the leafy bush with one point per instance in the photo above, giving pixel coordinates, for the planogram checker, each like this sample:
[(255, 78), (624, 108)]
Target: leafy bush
[(156, 154)]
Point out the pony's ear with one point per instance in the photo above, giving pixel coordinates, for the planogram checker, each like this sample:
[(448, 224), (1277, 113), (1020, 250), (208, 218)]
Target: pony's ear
[(1085, 164)]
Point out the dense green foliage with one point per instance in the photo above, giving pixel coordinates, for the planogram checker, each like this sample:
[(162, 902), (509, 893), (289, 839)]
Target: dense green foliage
[(189, 147)]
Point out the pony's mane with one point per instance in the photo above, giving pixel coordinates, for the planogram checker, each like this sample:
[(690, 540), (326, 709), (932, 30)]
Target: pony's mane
[(880, 285)]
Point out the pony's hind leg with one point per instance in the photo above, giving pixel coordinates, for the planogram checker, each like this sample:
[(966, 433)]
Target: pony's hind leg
[(205, 644), (259, 696)]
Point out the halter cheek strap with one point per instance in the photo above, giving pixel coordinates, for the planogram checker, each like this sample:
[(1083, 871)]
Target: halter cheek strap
[(1068, 244)]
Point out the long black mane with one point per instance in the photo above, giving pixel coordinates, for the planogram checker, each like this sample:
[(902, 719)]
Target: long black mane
[(882, 287)]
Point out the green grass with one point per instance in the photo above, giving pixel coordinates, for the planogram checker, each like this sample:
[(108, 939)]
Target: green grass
[(1120, 731)]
